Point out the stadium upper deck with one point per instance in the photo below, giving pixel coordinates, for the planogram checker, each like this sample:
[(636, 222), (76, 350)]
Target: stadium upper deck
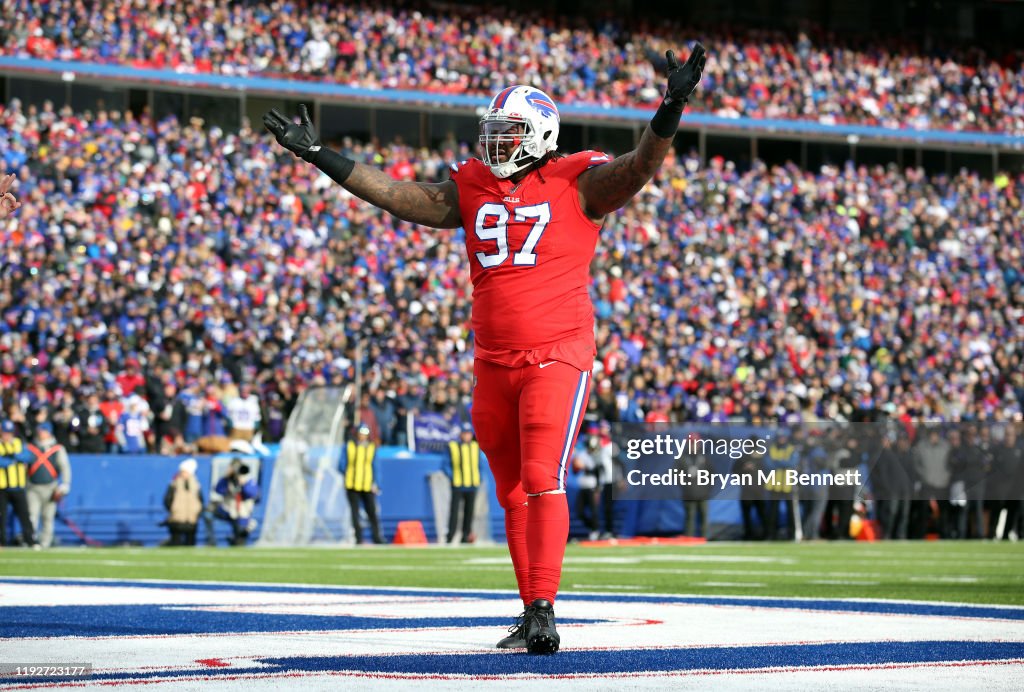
[(811, 76)]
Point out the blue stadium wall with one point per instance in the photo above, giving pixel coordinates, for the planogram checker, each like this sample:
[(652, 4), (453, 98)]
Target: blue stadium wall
[(118, 500)]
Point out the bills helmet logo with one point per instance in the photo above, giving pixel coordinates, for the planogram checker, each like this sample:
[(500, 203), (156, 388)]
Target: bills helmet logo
[(542, 104)]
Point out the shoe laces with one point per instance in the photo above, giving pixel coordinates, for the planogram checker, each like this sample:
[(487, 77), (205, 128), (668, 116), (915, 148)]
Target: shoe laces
[(519, 626), (539, 617)]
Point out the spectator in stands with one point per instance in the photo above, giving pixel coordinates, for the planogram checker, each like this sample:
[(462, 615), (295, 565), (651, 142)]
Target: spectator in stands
[(361, 471), (845, 334), (14, 458), (811, 75), (233, 499), (91, 426), (131, 380), (316, 53), (184, 503), (463, 470), (112, 407), (62, 417), (49, 481), (607, 406), (157, 390), (132, 426), (243, 414), (274, 415), (383, 407), (368, 418), (213, 422), (189, 409)]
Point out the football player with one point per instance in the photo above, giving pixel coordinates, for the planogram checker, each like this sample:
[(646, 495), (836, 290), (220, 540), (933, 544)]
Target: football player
[(531, 217)]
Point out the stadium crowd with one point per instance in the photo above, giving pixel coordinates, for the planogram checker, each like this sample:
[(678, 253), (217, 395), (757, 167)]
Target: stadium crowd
[(149, 288), (601, 60)]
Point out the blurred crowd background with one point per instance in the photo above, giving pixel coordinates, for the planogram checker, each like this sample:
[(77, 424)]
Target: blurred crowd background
[(174, 280), (592, 57), (143, 276), (154, 295)]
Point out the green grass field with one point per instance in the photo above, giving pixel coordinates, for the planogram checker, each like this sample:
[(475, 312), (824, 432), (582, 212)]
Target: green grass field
[(968, 572)]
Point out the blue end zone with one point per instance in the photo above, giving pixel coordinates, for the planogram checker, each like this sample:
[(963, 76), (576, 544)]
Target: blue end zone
[(668, 660), (191, 619), (141, 620), (849, 606), (603, 662)]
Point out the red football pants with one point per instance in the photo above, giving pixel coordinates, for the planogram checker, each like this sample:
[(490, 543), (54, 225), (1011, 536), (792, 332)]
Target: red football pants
[(526, 421)]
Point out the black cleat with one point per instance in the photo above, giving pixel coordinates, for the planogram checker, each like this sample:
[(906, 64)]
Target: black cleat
[(516, 638), (541, 636)]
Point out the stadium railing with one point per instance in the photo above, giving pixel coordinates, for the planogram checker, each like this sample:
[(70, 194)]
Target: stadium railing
[(240, 87)]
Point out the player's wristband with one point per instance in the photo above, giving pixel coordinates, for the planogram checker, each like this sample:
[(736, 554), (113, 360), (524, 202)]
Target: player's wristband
[(666, 121), (338, 167)]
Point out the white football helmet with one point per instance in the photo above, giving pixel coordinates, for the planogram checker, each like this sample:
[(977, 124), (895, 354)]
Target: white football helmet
[(520, 127)]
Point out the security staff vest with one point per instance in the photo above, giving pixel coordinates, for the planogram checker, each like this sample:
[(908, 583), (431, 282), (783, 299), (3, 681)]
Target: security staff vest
[(465, 464), (359, 471), (15, 475), (777, 455)]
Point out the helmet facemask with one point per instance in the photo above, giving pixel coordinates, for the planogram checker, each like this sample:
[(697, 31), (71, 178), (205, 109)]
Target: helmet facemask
[(503, 144), (520, 127)]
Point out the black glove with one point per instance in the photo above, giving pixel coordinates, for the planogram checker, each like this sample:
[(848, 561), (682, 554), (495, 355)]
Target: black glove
[(683, 79), (302, 140)]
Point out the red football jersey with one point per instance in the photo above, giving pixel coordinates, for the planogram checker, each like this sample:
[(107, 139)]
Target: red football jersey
[(530, 246)]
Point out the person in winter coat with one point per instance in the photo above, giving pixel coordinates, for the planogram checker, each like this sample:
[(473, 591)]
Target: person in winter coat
[(184, 503)]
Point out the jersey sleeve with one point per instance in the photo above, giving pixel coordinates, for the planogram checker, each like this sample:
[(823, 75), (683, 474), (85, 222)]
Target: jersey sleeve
[(462, 171), (585, 160)]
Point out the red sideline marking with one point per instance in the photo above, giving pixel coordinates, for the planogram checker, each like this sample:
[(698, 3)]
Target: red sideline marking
[(560, 676), (213, 663), (644, 540)]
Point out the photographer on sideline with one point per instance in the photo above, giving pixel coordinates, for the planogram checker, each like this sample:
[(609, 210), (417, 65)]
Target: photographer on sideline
[(233, 500)]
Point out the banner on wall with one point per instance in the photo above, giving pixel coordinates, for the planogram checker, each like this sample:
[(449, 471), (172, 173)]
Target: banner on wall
[(431, 432)]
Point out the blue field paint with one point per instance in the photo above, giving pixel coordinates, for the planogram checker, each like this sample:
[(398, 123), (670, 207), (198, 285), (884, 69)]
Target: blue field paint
[(143, 620), (667, 660), (846, 606), (229, 634), (603, 662)]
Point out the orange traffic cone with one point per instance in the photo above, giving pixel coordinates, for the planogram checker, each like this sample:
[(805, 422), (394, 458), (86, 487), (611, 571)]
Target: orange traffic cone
[(410, 533)]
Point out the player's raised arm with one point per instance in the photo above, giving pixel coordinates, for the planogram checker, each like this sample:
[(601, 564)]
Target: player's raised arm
[(603, 189), (8, 202), (429, 204)]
